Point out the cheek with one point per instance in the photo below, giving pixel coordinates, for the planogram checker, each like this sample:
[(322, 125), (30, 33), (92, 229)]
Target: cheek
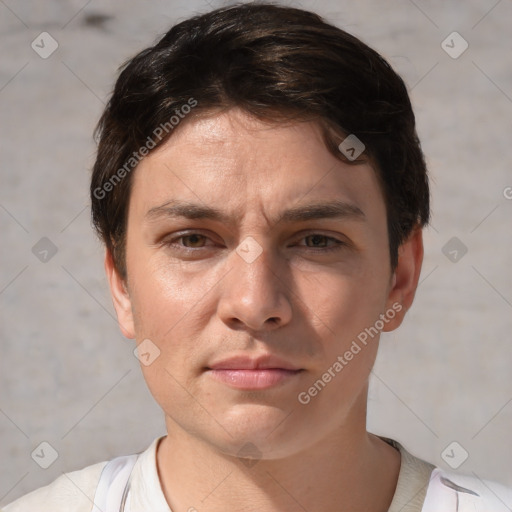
[(164, 294), (169, 307), (173, 308), (342, 310), (340, 305)]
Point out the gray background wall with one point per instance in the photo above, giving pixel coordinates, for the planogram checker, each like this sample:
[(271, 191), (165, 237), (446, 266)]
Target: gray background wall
[(69, 378)]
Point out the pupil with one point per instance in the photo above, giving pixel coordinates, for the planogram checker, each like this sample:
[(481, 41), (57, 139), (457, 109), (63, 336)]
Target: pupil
[(194, 239), (316, 239)]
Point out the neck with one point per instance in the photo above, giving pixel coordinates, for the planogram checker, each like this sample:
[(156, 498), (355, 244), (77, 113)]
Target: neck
[(348, 470)]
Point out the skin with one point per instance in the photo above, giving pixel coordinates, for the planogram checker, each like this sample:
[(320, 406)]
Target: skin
[(295, 300)]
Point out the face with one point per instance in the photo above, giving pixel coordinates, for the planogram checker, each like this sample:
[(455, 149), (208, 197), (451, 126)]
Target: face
[(251, 240)]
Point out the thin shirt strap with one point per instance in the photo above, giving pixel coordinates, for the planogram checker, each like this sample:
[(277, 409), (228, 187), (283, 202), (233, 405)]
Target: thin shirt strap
[(112, 484), (445, 495)]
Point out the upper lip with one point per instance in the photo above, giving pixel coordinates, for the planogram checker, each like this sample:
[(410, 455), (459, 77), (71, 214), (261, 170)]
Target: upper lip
[(244, 362)]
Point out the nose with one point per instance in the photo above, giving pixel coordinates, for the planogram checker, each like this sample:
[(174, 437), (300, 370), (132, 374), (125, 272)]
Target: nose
[(253, 295)]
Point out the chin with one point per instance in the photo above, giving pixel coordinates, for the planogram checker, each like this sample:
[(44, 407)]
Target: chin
[(258, 431)]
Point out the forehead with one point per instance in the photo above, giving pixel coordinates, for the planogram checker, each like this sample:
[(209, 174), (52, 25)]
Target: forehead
[(234, 161)]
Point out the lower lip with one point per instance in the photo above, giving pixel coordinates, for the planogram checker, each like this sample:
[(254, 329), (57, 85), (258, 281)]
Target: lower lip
[(253, 379)]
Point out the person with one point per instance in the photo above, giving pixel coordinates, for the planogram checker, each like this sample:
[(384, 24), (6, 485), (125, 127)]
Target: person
[(261, 193)]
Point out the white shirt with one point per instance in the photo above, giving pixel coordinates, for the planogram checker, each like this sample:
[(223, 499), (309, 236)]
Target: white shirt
[(76, 490)]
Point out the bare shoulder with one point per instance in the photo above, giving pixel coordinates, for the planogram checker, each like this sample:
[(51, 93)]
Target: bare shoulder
[(75, 488)]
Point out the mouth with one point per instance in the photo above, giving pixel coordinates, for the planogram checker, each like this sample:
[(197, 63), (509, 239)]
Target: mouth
[(244, 372), (262, 378)]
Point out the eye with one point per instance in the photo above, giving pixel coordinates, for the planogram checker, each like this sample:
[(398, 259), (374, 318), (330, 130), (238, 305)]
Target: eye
[(320, 242), (195, 240), (187, 242)]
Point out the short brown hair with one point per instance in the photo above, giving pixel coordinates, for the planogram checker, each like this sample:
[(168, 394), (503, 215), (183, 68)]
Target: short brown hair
[(278, 64)]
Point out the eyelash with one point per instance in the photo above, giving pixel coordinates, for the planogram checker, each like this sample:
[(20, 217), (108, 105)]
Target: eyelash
[(338, 243)]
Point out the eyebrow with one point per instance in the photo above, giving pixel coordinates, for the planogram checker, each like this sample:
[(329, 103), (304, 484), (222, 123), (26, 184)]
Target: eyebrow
[(336, 209)]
